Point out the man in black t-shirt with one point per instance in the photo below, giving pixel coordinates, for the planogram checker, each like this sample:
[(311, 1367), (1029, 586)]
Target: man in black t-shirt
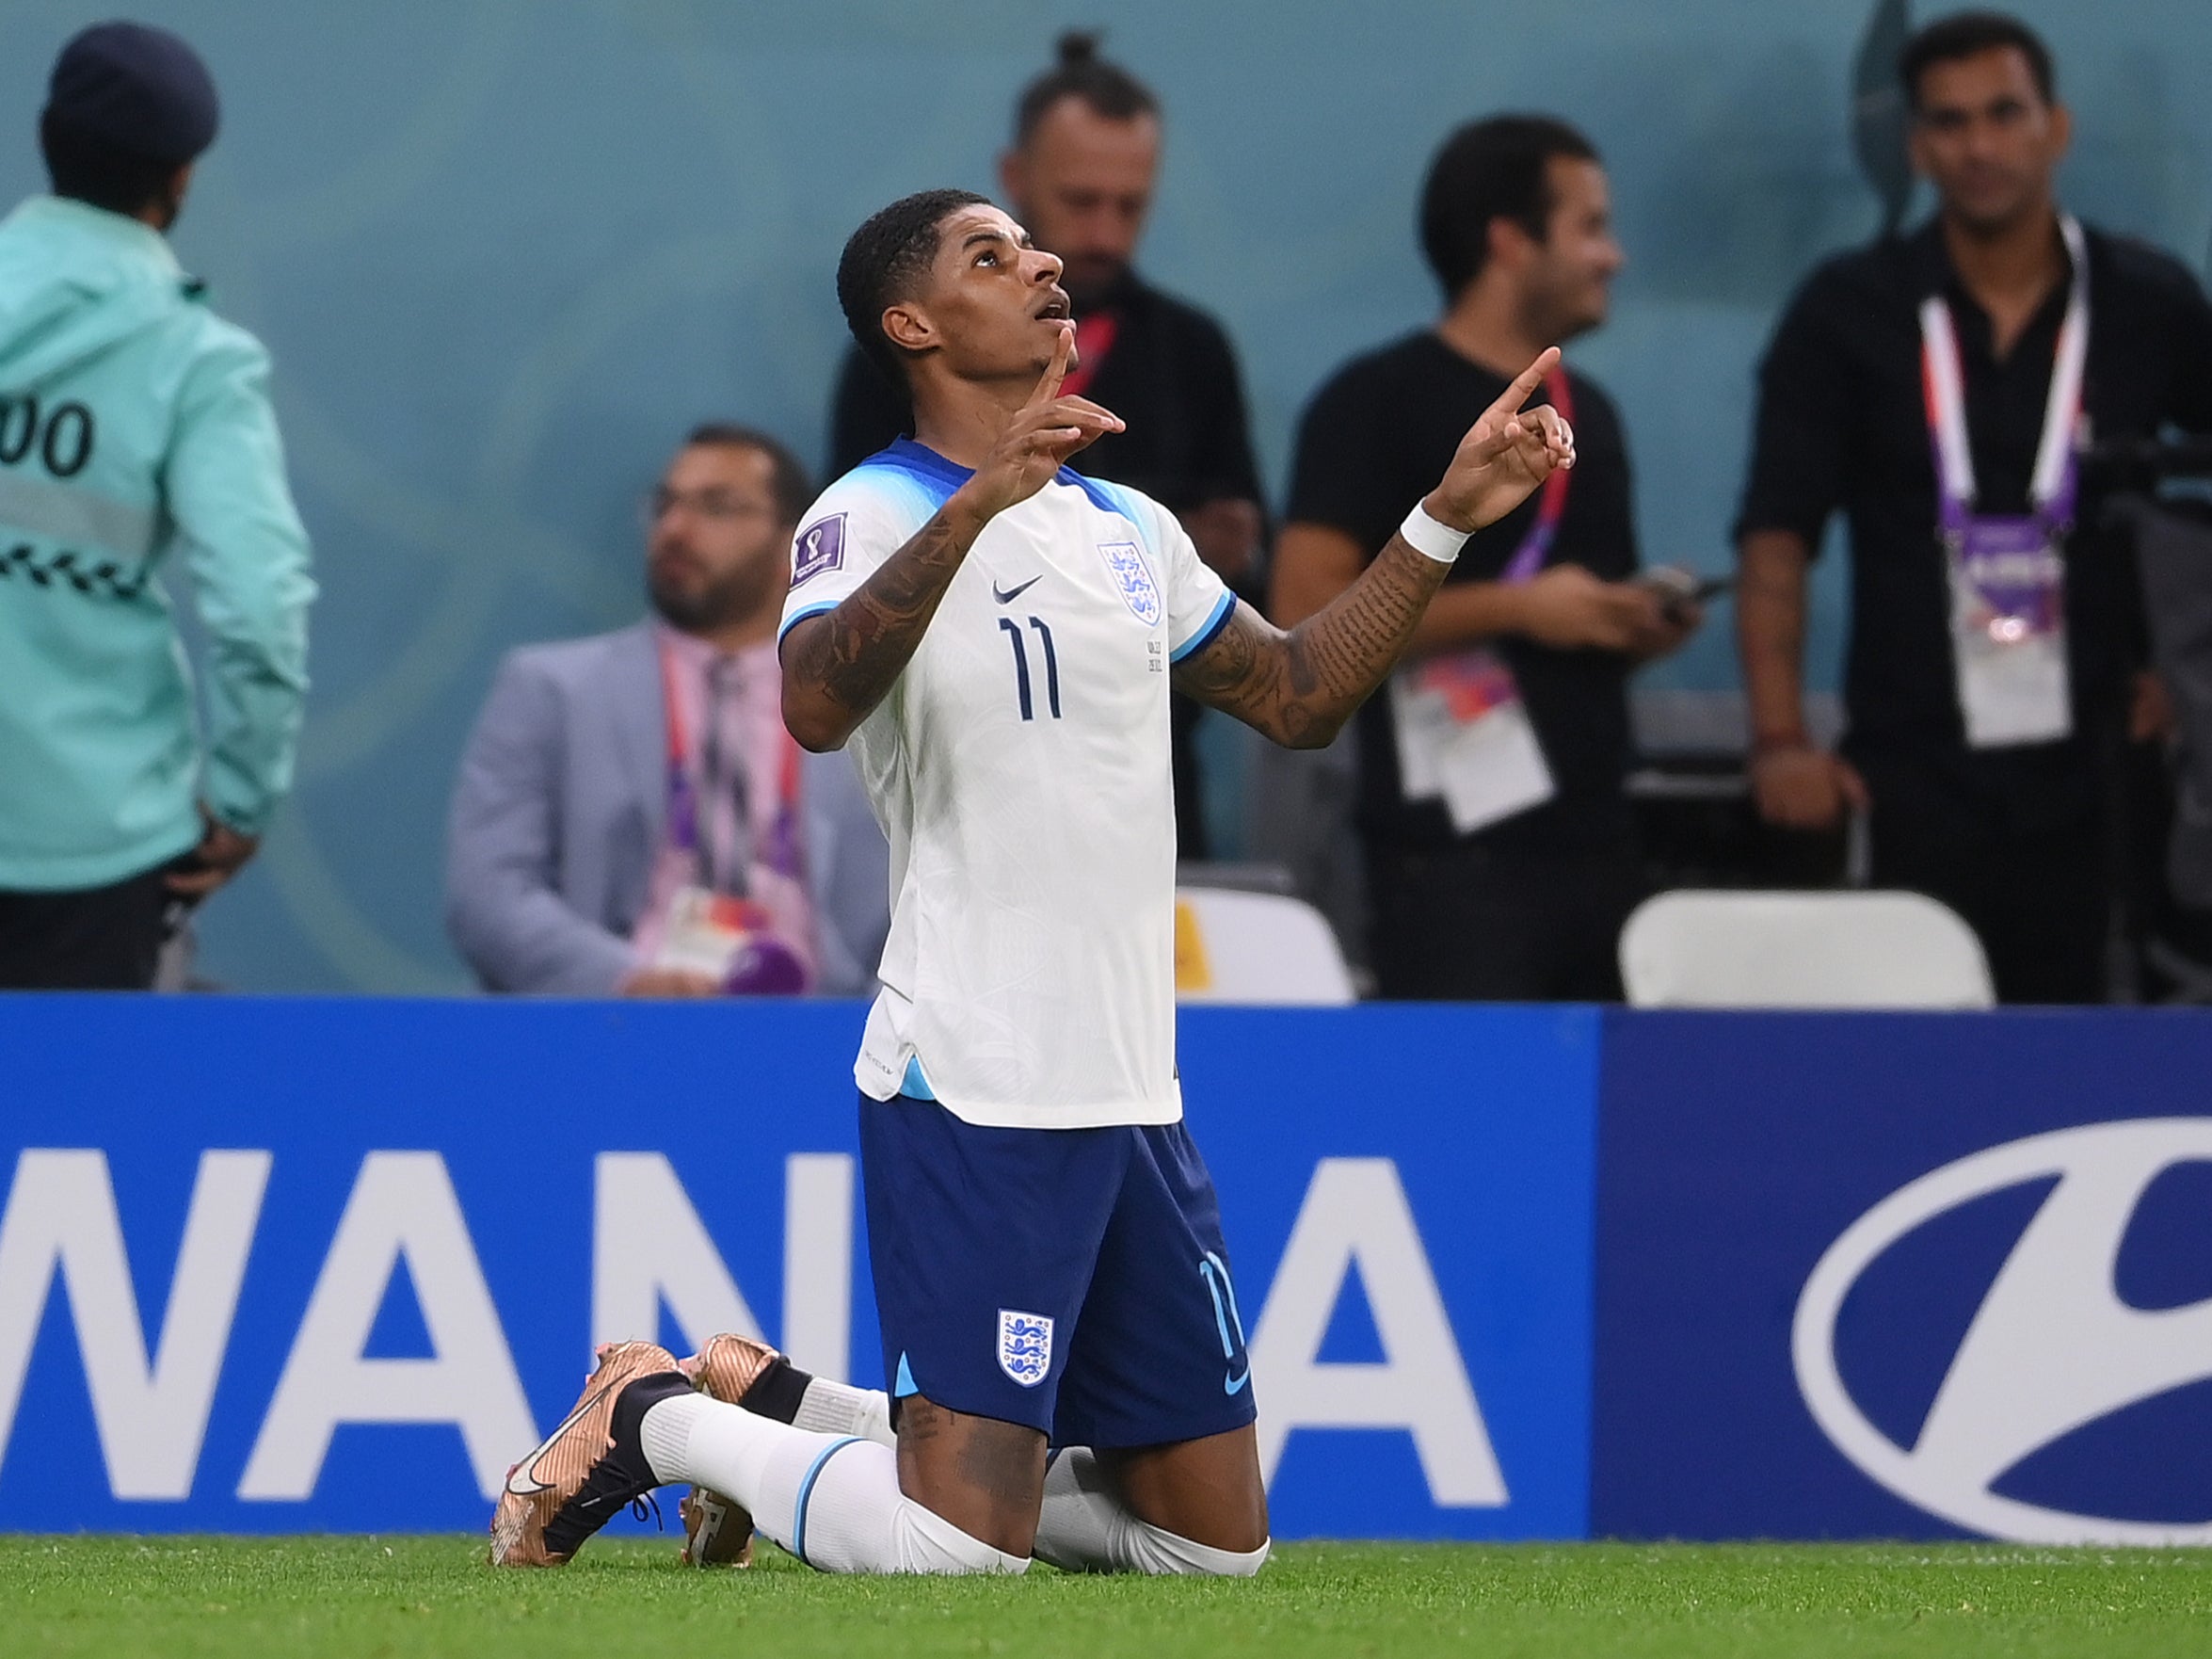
[(1080, 177), (1983, 738), (1501, 856)]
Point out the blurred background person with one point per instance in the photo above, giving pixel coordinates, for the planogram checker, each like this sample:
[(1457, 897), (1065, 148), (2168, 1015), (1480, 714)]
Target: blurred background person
[(133, 421), (1934, 387), (632, 817), (1500, 850), (1080, 177)]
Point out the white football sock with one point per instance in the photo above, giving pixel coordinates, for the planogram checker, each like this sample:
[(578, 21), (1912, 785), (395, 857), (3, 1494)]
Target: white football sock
[(837, 1407), (1084, 1527), (831, 1500)]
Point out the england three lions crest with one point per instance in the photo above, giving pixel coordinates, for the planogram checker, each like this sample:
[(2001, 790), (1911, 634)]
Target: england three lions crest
[(1025, 1346), (1134, 578)]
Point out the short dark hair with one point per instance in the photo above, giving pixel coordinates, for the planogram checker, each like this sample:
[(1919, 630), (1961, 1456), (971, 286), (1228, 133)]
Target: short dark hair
[(1488, 170), (1969, 34), (881, 262), (788, 482), (88, 169), (1079, 71)]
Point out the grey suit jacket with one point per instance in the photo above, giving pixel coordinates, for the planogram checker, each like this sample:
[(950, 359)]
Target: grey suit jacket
[(558, 818)]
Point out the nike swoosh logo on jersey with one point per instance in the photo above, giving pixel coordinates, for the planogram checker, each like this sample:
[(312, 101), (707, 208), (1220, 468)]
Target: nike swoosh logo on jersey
[(522, 1471), (1005, 596), (1230, 1385)]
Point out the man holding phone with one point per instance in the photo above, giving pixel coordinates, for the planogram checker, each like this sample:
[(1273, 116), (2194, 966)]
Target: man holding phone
[(1502, 855)]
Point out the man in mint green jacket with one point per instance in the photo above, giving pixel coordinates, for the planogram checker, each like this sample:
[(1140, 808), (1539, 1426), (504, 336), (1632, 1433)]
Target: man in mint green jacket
[(134, 428)]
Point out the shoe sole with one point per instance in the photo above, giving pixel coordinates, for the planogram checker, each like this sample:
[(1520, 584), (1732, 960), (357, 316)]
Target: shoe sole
[(717, 1531)]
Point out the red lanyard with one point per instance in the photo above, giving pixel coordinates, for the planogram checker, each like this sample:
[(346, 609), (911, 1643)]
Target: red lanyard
[(684, 806), (1094, 339), (1551, 506)]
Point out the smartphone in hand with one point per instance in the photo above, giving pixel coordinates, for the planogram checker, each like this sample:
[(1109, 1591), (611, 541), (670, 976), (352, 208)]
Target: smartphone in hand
[(1676, 587)]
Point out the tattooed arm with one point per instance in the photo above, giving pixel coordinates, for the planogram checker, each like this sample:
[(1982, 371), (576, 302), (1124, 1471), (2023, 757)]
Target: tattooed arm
[(838, 666), (1300, 687)]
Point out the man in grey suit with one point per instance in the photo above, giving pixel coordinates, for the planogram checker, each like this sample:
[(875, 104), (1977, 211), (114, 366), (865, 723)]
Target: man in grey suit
[(632, 817)]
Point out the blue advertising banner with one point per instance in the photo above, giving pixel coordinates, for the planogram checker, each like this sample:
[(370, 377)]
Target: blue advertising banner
[(1914, 1276), (300, 1265)]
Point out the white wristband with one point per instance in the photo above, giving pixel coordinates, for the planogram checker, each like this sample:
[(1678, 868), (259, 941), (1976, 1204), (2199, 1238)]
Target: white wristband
[(1431, 538)]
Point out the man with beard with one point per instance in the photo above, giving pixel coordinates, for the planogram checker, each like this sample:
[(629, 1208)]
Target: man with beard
[(1080, 176), (632, 816)]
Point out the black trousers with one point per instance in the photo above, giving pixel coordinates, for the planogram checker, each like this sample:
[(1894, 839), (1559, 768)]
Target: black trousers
[(2039, 899), (89, 939), (1476, 924)]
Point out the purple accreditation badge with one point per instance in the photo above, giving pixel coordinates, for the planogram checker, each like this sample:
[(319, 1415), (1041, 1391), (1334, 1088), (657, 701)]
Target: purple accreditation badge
[(821, 546), (765, 966), (2012, 570)]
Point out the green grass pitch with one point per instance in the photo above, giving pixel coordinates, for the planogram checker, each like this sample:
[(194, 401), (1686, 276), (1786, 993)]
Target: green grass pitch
[(332, 1596)]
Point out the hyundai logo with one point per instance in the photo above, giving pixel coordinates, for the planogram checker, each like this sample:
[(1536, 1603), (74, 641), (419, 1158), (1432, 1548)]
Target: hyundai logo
[(2051, 1349)]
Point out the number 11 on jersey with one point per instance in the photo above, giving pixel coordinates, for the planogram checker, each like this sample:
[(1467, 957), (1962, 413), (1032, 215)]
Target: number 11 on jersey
[(1021, 683)]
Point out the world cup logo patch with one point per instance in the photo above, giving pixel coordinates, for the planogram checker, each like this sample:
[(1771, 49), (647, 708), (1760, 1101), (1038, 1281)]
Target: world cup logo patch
[(819, 547), (1134, 578), (1025, 1346)]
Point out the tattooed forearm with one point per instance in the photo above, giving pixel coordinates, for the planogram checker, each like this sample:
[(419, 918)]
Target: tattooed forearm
[(839, 665), (1300, 687)]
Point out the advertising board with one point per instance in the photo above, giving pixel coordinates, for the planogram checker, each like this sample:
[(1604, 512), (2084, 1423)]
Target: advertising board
[(276, 1265), (1915, 1276)]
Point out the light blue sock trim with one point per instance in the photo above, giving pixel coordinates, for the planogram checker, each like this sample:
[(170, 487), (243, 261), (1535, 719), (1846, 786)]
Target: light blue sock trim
[(906, 1384), (799, 1523), (913, 1084)]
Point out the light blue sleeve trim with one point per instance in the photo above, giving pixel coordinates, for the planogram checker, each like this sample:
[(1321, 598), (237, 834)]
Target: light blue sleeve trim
[(1216, 620), (820, 607)]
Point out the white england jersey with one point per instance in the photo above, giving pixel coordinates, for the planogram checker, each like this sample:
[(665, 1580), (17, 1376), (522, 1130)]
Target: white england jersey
[(1019, 766)]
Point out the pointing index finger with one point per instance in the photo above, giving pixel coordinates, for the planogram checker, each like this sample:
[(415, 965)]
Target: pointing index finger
[(1055, 371), (1530, 378)]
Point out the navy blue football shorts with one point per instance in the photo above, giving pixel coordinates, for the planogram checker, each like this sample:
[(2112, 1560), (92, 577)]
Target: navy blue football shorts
[(1071, 1279)]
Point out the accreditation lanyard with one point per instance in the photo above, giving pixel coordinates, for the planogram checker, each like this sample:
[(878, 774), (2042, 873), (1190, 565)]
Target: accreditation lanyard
[(1095, 334), (685, 827), (2052, 487), (1551, 504), (2008, 580), (1463, 735)]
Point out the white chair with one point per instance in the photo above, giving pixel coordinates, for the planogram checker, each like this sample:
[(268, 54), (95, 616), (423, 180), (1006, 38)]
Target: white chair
[(1255, 947), (1802, 950)]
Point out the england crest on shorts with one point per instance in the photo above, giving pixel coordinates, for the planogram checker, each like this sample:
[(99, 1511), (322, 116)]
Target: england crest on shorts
[(1134, 578), (1025, 1346)]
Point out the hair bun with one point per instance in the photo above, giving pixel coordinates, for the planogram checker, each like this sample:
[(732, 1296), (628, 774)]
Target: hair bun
[(1077, 47)]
